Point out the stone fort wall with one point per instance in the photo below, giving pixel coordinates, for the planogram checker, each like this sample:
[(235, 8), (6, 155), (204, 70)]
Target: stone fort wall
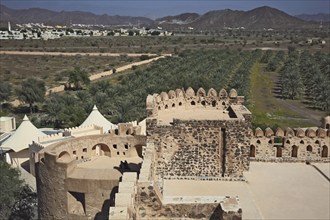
[(63, 196), (190, 99), (199, 148), (290, 145)]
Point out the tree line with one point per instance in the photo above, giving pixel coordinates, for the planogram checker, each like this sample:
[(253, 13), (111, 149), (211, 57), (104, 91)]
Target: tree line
[(122, 97), (306, 76)]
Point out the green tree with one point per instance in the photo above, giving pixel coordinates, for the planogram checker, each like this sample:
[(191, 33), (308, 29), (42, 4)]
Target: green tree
[(266, 57), (78, 77), (17, 200), (54, 105), (5, 92), (32, 90), (292, 84), (65, 110)]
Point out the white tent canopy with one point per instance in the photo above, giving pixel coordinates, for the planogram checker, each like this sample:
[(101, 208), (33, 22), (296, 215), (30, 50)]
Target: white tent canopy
[(24, 135), (96, 118)]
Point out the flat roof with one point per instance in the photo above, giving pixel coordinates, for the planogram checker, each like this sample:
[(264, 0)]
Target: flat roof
[(5, 118), (167, 115), (102, 167), (272, 191)]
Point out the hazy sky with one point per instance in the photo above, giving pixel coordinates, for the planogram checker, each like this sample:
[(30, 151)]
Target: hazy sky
[(159, 8)]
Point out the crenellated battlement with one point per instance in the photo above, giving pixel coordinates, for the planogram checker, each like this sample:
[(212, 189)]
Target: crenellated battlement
[(291, 145), (83, 130), (190, 99), (51, 137), (292, 132)]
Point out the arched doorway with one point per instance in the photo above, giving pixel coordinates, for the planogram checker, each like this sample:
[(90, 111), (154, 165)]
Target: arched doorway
[(101, 150), (278, 152), (64, 157), (252, 151), (324, 152), (294, 151), (309, 148)]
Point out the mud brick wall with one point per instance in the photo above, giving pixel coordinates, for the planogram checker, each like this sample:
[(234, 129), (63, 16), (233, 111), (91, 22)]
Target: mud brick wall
[(201, 148)]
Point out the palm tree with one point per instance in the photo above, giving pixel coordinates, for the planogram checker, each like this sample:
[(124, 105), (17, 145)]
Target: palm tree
[(5, 92), (292, 84), (78, 77), (32, 90)]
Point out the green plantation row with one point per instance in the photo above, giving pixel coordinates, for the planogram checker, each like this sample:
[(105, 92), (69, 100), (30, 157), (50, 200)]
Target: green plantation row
[(125, 99), (122, 96), (307, 76)]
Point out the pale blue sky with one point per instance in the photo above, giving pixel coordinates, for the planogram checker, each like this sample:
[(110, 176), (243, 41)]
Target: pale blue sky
[(159, 8)]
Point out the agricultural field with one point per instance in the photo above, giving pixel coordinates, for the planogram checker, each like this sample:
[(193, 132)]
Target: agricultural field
[(290, 89), (121, 97), (209, 60), (174, 44), (54, 70)]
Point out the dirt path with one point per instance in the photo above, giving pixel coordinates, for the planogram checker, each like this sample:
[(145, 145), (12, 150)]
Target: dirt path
[(269, 108), (96, 76), (311, 115), (78, 54)]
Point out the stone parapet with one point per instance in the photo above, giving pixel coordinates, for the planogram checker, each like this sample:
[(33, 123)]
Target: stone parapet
[(189, 99)]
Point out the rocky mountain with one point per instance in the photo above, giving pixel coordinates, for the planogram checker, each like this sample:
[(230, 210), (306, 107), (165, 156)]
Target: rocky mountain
[(314, 17), (267, 17), (38, 15), (184, 18), (258, 18)]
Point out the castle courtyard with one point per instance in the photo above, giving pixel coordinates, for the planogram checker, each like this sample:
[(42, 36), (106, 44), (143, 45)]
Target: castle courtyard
[(271, 190)]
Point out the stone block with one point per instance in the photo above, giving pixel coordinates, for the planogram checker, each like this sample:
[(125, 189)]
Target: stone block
[(127, 187), (118, 213), (124, 200), (129, 177)]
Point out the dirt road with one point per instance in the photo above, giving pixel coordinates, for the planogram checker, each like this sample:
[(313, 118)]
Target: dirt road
[(313, 116), (93, 77)]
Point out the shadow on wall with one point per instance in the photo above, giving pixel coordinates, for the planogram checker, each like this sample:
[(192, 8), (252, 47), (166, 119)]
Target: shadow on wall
[(128, 167), (217, 214), (26, 165), (104, 214)]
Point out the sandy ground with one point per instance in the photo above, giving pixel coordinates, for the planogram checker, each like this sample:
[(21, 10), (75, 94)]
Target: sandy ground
[(272, 191), (324, 167), (167, 115), (104, 162)]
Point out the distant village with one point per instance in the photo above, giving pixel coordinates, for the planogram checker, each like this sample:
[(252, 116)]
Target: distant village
[(45, 32)]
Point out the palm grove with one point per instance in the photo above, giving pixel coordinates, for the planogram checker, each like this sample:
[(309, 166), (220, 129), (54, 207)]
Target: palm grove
[(303, 75)]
